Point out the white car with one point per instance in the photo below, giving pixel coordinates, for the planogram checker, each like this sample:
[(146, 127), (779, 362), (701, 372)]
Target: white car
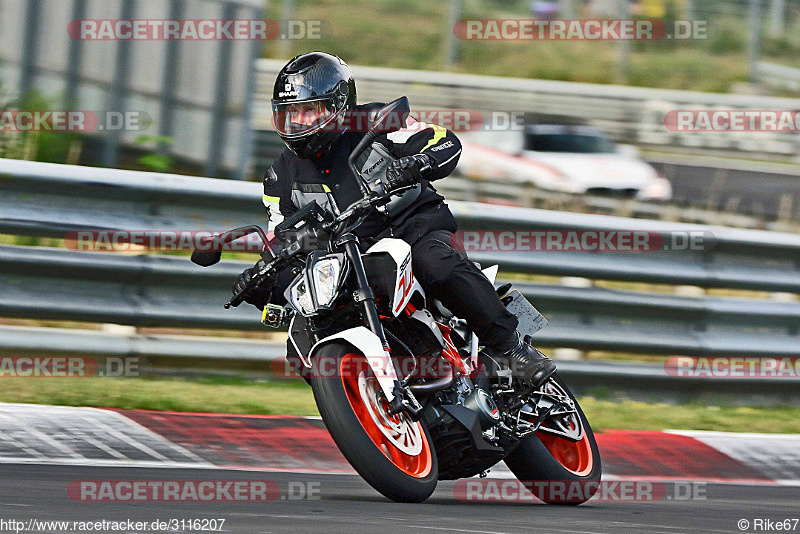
[(573, 158)]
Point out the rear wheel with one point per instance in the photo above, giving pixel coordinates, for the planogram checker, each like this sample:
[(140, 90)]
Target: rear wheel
[(390, 451), (563, 465)]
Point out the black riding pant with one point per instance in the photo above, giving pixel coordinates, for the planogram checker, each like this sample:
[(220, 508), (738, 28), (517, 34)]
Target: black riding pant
[(449, 276), (444, 271)]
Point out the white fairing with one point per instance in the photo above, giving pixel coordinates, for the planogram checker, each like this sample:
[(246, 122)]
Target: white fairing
[(368, 344), (490, 272), (406, 283)]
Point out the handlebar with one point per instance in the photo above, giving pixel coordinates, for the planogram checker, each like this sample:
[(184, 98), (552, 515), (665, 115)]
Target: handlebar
[(238, 298), (285, 254), (368, 200), (312, 210), (230, 236)]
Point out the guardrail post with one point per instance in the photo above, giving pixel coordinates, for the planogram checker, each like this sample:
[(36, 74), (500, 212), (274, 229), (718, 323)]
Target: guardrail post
[(119, 88), (285, 45), (451, 43), (29, 46), (755, 39), (172, 54), (247, 136), (74, 56), (219, 119), (624, 45), (776, 12)]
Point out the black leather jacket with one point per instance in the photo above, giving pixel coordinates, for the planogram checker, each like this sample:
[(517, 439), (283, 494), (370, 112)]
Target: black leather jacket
[(300, 181)]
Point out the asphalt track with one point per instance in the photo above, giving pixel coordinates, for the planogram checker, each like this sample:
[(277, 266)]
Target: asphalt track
[(347, 504)]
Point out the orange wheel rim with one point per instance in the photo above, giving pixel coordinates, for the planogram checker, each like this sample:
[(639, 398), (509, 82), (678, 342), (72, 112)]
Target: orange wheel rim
[(574, 456), (401, 440)]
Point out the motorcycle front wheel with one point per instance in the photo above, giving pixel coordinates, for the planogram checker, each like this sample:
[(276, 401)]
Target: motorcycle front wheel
[(560, 470), (390, 451)]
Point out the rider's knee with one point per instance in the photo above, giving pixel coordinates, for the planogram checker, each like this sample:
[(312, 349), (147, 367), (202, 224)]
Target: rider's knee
[(434, 261)]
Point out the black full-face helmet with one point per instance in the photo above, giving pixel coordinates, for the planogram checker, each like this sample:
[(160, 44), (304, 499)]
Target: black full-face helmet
[(312, 95)]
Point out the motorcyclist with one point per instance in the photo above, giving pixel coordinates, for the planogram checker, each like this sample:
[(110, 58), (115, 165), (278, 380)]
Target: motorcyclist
[(314, 100)]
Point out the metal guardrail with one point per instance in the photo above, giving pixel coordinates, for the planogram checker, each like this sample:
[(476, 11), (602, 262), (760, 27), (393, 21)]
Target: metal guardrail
[(205, 115), (156, 290), (629, 114), (777, 75), (44, 199), (525, 196), (50, 200), (159, 354), (142, 290), (706, 190)]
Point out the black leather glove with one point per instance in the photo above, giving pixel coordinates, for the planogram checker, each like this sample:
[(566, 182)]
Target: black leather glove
[(258, 296), (407, 171)]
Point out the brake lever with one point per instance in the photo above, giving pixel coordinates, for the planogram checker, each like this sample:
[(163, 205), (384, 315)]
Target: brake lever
[(238, 298)]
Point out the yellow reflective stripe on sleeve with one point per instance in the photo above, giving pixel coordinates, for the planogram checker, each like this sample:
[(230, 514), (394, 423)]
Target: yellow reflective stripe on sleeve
[(267, 198), (438, 134), (264, 314)]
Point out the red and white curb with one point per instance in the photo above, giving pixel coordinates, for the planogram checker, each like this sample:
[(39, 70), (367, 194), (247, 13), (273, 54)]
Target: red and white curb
[(777, 456), (32, 433), (139, 438)]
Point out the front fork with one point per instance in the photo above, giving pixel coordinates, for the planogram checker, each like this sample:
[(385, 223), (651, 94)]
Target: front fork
[(403, 400)]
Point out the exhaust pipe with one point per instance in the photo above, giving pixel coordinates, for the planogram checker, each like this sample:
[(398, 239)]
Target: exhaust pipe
[(435, 385)]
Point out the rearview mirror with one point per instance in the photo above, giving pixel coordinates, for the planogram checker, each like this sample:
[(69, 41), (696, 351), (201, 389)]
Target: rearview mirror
[(206, 258), (391, 117), (215, 244)]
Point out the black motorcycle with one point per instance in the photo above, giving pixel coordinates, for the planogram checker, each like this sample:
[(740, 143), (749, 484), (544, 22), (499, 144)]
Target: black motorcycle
[(401, 383)]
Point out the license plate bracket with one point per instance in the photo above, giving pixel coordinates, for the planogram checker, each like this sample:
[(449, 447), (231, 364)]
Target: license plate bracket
[(530, 320)]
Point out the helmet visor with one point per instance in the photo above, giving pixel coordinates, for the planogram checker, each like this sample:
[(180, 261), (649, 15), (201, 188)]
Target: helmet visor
[(300, 118)]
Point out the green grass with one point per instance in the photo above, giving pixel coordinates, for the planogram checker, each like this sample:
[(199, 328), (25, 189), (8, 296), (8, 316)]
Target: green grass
[(412, 34), (632, 415), (274, 397), (223, 395)]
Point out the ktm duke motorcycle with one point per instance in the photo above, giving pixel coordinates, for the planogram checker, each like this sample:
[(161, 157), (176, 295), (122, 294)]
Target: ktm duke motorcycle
[(401, 383)]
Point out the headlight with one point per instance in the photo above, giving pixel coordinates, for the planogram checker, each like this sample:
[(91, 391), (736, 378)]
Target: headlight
[(658, 189), (302, 297), (325, 274)]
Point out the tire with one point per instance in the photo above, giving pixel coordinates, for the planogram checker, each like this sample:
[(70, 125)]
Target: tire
[(400, 476), (547, 458)]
